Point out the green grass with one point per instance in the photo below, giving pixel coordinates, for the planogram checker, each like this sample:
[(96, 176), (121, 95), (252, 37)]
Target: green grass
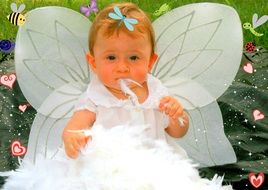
[(245, 8)]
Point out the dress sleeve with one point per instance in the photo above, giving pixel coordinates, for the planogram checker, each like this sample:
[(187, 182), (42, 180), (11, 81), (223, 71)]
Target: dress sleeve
[(84, 102), (165, 120)]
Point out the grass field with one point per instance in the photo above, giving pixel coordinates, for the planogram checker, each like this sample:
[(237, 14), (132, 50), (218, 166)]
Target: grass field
[(245, 9)]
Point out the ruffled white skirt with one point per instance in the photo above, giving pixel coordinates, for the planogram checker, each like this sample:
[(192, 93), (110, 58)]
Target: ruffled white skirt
[(120, 158)]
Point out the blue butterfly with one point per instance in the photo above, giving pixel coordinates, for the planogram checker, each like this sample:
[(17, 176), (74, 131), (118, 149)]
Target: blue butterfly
[(117, 15)]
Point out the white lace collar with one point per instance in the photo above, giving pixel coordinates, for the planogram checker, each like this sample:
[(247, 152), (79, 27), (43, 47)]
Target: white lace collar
[(101, 96)]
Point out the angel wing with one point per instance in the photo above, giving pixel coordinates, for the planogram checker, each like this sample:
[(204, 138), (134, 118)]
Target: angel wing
[(52, 72), (200, 48)]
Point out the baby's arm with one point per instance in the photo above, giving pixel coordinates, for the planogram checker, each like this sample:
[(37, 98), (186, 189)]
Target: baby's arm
[(73, 142), (173, 109)]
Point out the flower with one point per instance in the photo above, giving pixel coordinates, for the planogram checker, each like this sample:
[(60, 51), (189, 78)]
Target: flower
[(6, 46)]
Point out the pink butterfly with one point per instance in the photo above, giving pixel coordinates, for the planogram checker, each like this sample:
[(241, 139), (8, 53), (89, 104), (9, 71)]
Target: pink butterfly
[(92, 7)]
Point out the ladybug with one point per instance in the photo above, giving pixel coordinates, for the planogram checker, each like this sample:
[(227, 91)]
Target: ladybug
[(250, 47)]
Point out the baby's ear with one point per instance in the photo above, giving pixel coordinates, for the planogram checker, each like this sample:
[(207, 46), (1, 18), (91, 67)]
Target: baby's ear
[(91, 61), (152, 61)]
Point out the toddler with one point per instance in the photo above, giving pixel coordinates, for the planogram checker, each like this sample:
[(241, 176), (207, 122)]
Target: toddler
[(121, 43)]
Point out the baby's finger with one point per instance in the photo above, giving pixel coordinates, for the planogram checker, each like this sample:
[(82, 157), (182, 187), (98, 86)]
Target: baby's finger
[(167, 108), (173, 110), (71, 151), (163, 101), (85, 140), (179, 113), (88, 139), (76, 144)]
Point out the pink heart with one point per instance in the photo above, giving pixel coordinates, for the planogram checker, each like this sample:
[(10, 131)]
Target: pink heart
[(8, 80), (256, 182), (248, 67), (22, 107), (257, 115), (17, 149)]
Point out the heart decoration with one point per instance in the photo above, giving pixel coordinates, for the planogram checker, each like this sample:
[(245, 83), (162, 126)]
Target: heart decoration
[(17, 149), (256, 181), (258, 115), (23, 107), (8, 80), (248, 67)]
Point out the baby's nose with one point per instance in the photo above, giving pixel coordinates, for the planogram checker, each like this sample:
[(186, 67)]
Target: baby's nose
[(122, 67)]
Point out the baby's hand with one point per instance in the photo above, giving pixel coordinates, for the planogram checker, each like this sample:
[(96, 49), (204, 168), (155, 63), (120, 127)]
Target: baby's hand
[(171, 107), (74, 141)]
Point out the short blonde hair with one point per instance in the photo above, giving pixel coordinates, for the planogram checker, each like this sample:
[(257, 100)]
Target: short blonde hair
[(111, 26)]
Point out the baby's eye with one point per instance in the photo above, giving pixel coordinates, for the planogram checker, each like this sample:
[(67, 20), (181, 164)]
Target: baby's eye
[(134, 58), (111, 57)]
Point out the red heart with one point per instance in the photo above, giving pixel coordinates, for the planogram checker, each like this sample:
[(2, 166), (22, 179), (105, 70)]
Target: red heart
[(17, 149), (8, 80), (256, 182)]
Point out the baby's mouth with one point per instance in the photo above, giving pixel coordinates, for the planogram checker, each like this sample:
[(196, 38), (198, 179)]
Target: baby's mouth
[(124, 86), (127, 82)]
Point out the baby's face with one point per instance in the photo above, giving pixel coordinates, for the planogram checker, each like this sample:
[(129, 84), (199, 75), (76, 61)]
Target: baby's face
[(121, 56)]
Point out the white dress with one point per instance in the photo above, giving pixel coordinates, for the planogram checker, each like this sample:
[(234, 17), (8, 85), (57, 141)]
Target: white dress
[(129, 151), (111, 111)]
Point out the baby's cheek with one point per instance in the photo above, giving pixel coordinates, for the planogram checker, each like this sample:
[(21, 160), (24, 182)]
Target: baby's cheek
[(106, 74), (140, 75)]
